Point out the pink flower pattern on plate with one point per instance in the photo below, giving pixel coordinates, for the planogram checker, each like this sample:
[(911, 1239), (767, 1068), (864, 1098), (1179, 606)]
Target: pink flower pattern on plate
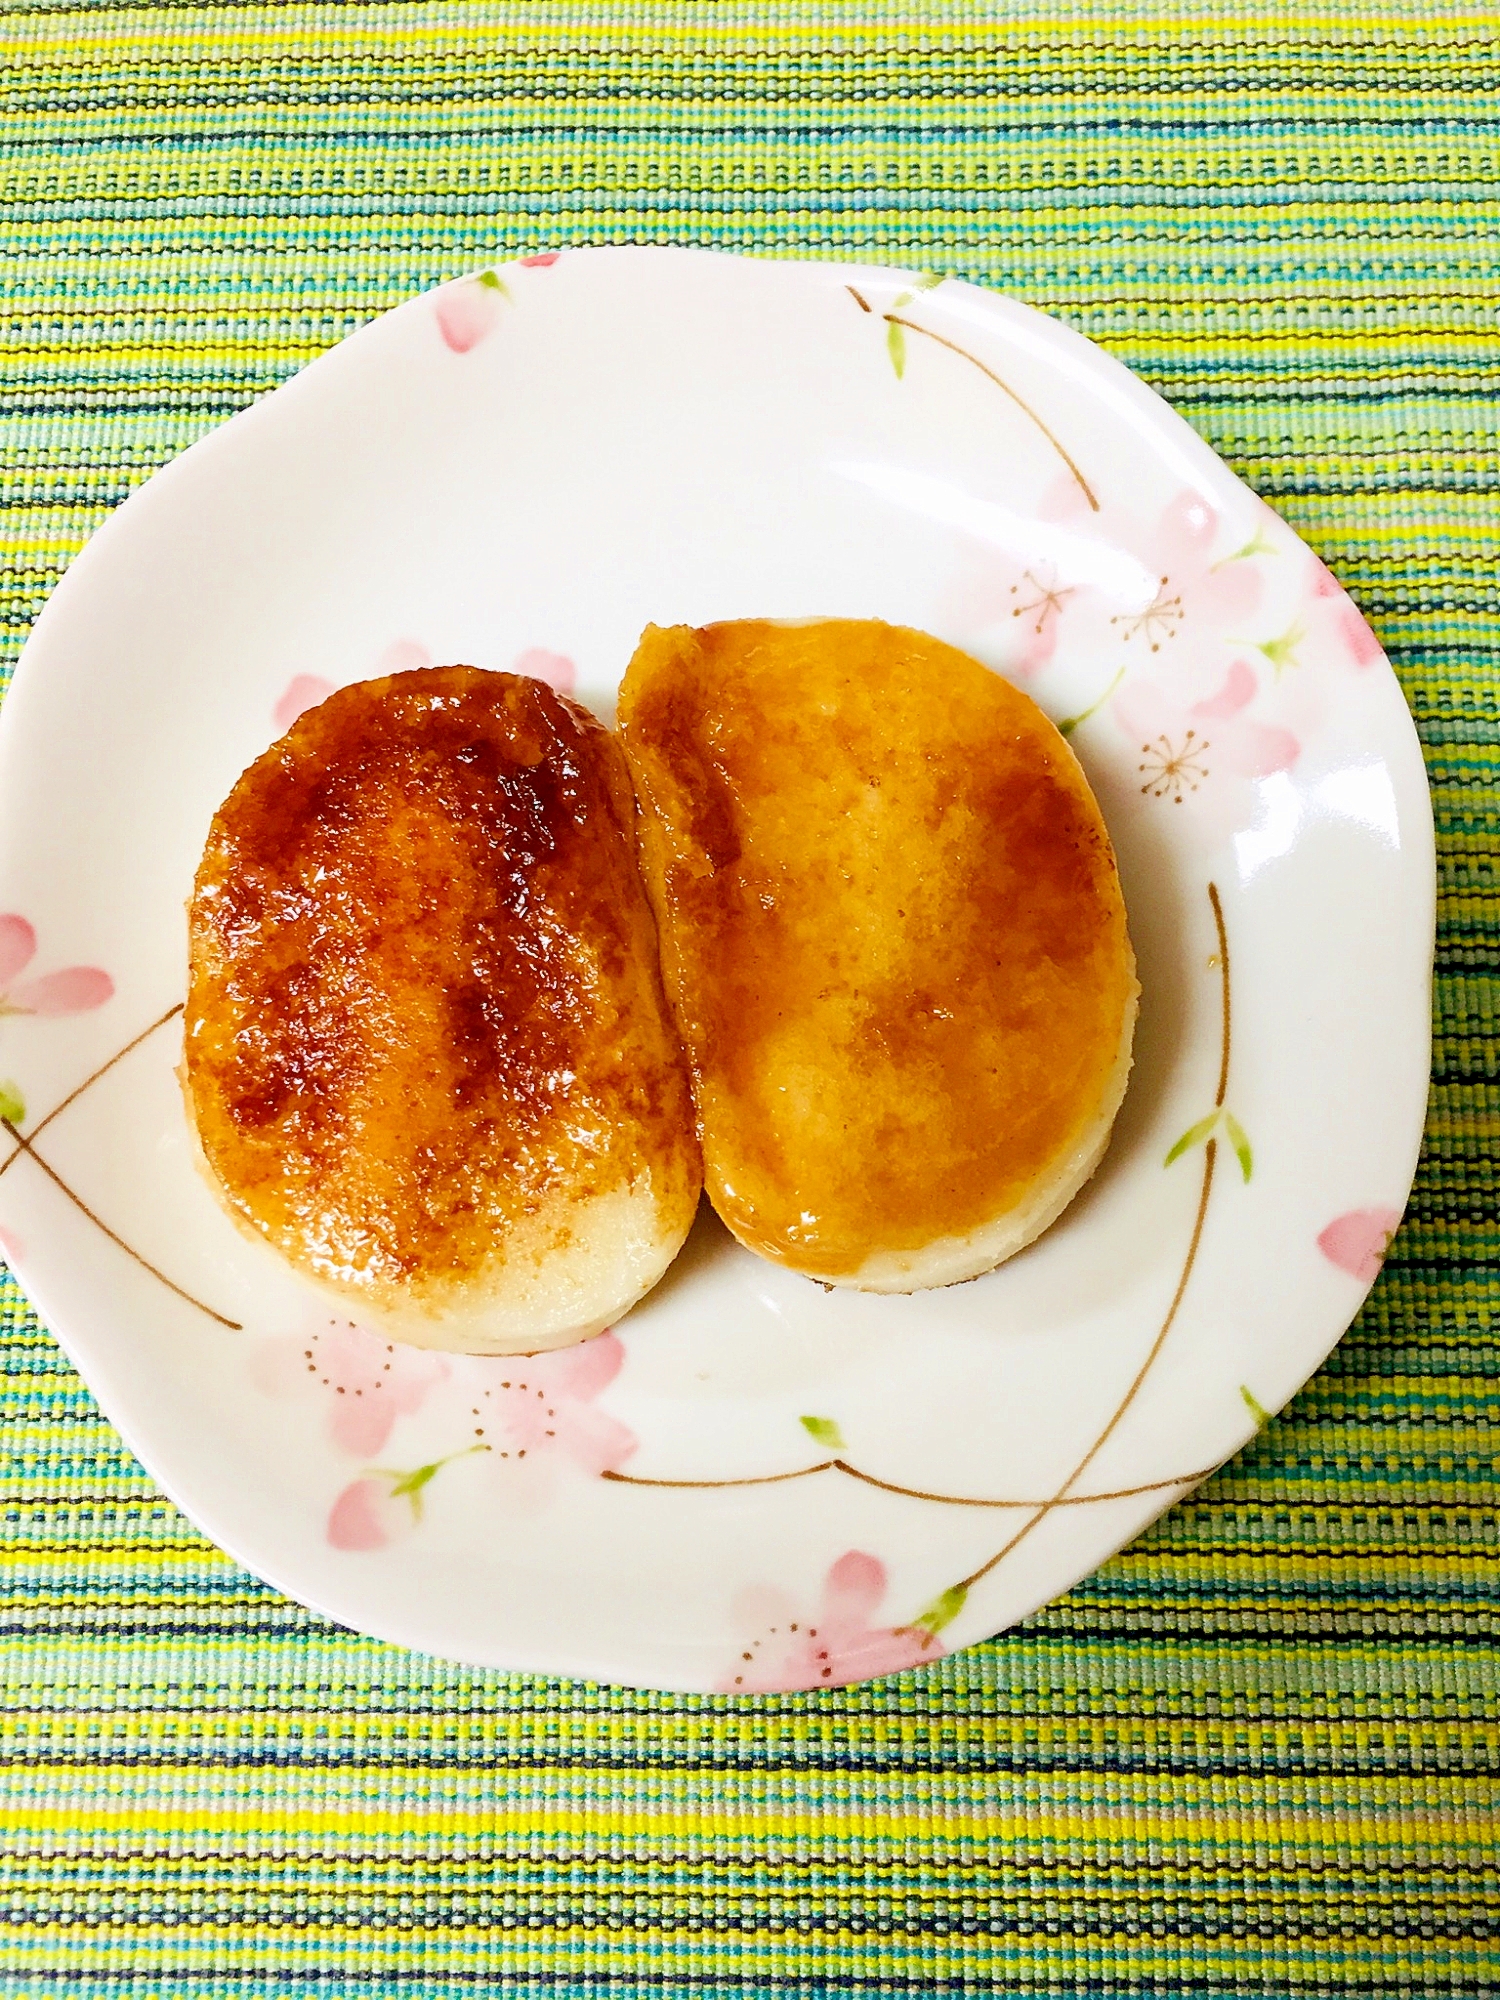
[(1186, 731), (556, 669), (837, 1642), (74, 990), (403, 656), (382, 1505), (1038, 601), (1176, 735), (540, 1407), (1357, 1242), (1028, 597), (531, 1414), (364, 1383), (469, 309), (302, 692), (1184, 671), (368, 1515), (1363, 648), (1215, 596)]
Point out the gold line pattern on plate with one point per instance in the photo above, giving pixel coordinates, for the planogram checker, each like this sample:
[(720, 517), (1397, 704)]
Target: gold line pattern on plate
[(896, 320), (25, 1144), (951, 1600), (1210, 1154)]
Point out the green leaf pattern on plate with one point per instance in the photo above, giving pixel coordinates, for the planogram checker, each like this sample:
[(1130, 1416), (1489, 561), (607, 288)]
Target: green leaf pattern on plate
[(411, 1485), (1193, 1136), (1282, 652), (1236, 1135), (942, 1610), (824, 1431), (1257, 1410), (928, 281), (1234, 1131)]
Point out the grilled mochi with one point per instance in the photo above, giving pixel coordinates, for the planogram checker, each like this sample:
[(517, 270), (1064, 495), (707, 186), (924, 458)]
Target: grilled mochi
[(428, 1057), (892, 936)]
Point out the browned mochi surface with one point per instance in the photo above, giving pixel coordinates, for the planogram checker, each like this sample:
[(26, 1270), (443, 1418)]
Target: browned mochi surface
[(428, 1057), (893, 936)]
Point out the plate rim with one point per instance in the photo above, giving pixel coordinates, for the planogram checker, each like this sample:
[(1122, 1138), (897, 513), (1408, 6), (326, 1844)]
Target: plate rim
[(1047, 331)]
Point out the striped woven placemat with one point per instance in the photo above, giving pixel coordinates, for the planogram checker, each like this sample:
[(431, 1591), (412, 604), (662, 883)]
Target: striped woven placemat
[(1255, 1754)]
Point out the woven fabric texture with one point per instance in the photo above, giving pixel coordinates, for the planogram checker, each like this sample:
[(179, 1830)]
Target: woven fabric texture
[(1256, 1754)]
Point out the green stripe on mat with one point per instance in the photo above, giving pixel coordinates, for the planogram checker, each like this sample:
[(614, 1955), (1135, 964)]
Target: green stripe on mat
[(1255, 1755)]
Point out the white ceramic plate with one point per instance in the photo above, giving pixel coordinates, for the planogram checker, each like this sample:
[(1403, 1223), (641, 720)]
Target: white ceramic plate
[(751, 1484)]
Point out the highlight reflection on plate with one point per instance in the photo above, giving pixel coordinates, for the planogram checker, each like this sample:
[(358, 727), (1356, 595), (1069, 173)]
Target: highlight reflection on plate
[(751, 1483)]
